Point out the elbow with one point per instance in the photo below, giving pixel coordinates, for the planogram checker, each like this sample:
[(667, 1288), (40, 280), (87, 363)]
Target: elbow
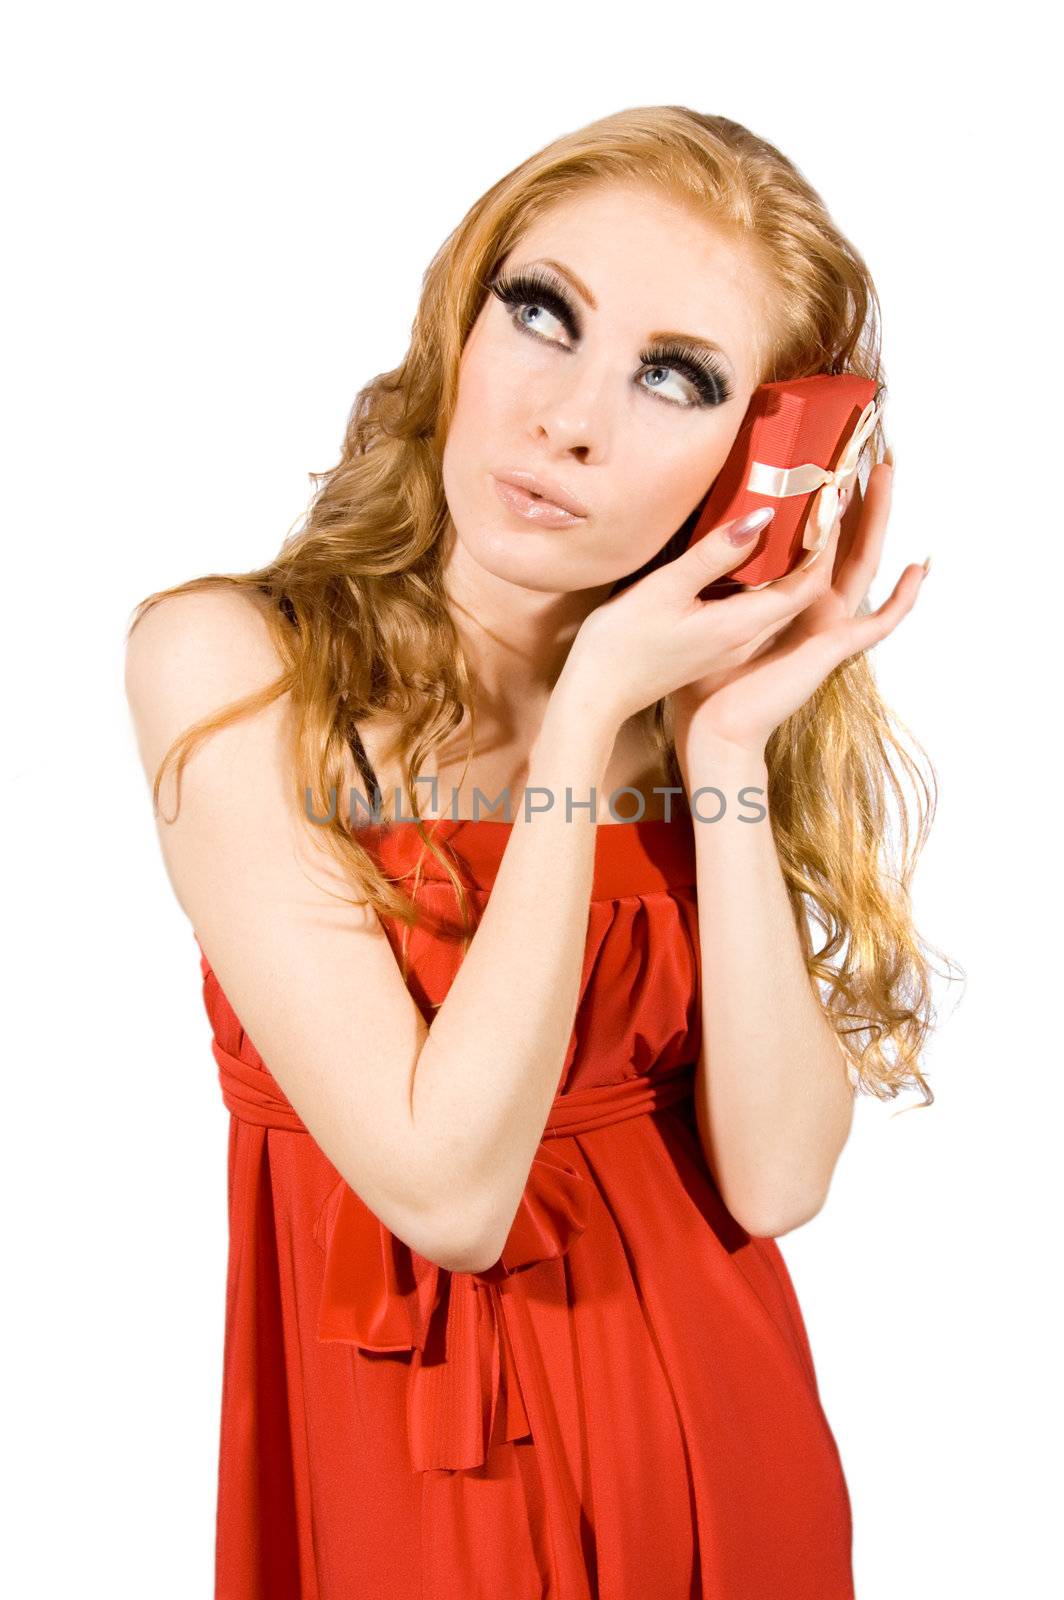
[(476, 1259), (444, 1247), (456, 1230), (772, 1217), (464, 1255), (459, 1245), (480, 1248)]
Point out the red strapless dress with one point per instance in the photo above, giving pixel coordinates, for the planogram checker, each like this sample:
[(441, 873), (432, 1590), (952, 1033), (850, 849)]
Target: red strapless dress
[(624, 1406)]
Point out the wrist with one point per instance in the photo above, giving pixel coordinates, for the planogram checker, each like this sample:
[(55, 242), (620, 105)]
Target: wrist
[(580, 710), (709, 761)]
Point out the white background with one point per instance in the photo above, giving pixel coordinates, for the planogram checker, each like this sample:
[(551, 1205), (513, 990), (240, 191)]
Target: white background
[(218, 218)]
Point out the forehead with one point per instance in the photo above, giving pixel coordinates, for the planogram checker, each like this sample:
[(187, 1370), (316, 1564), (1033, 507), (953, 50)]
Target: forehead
[(652, 260)]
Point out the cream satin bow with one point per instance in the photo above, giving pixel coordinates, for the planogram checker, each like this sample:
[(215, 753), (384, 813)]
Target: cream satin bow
[(781, 481)]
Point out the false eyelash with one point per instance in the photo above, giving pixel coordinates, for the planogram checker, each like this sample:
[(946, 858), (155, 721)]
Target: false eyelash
[(708, 377), (538, 287)]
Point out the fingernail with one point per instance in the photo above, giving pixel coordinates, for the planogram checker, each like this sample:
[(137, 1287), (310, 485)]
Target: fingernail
[(927, 566), (752, 523), (888, 455)]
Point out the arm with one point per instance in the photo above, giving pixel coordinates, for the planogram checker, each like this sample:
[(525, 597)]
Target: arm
[(490, 1068), (773, 1093), (772, 1096), (435, 1128)]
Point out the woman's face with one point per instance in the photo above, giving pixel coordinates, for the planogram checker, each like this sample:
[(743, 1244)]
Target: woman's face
[(599, 400)]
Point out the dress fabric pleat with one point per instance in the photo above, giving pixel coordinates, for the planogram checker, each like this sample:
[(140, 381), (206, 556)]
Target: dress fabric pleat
[(623, 1406)]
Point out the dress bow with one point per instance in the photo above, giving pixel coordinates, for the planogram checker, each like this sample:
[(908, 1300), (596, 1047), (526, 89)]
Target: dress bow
[(381, 1295)]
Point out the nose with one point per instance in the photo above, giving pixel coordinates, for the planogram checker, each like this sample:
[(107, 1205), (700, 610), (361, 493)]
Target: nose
[(572, 411)]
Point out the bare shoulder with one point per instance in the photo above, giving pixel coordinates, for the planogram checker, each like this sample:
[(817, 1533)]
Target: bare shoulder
[(186, 640), (191, 654)]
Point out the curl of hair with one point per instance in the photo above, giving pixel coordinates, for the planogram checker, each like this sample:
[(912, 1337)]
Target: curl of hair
[(361, 578)]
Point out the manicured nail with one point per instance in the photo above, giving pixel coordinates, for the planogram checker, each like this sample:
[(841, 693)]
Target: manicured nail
[(752, 523), (927, 566)]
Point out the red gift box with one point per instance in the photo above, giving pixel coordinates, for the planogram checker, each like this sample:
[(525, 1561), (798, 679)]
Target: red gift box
[(796, 450)]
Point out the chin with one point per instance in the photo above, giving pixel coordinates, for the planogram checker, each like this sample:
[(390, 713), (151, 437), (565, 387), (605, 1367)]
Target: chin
[(522, 560)]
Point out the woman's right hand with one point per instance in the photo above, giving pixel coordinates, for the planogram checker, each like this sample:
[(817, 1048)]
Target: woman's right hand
[(656, 636)]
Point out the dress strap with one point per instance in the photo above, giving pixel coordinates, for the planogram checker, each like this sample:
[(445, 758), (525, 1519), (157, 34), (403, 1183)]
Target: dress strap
[(365, 767), (358, 749)]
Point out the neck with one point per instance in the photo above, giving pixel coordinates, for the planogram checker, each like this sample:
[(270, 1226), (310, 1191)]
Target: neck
[(516, 640)]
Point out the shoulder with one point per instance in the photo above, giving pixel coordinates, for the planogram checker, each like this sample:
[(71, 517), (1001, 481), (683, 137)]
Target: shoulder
[(190, 655), (204, 640)]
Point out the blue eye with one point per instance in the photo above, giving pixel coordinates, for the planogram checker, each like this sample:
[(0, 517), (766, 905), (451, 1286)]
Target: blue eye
[(540, 290)]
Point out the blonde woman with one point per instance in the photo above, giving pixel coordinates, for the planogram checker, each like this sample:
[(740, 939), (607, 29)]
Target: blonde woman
[(529, 1066)]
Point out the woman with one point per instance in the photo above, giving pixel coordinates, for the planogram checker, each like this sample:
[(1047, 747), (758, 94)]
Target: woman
[(505, 1311)]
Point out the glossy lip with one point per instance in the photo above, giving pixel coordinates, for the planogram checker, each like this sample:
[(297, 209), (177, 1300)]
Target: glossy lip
[(545, 488), (534, 511)]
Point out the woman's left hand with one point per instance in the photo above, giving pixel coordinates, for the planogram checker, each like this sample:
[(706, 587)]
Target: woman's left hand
[(788, 660)]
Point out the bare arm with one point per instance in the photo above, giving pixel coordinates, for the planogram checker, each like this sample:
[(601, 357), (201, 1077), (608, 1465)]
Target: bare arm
[(772, 1095), (491, 1065), (435, 1128)]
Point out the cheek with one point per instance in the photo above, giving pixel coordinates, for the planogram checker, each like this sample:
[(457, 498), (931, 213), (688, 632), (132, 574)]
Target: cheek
[(477, 423), (468, 437), (489, 379), (663, 479), (468, 407), (663, 482)]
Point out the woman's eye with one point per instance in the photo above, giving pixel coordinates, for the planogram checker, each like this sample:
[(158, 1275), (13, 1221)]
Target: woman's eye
[(533, 305), (657, 389)]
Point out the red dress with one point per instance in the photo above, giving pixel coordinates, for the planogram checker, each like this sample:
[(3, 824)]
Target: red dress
[(624, 1406)]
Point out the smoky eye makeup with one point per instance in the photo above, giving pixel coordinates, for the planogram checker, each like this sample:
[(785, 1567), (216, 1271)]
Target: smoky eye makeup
[(538, 286)]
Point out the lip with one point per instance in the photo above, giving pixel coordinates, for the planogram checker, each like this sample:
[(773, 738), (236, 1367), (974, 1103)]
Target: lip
[(545, 489), (541, 513)]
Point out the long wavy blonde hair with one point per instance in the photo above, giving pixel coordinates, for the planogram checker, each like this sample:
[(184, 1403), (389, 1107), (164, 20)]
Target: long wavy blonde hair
[(361, 579)]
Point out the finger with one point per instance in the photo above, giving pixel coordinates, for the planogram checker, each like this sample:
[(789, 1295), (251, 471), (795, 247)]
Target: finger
[(849, 638), (821, 573), (758, 611), (762, 643), (714, 555), (860, 633), (827, 559), (866, 544), (849, 523)]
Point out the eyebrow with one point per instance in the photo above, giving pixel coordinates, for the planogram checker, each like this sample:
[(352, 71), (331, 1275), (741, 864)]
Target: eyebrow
[(655, 338)]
